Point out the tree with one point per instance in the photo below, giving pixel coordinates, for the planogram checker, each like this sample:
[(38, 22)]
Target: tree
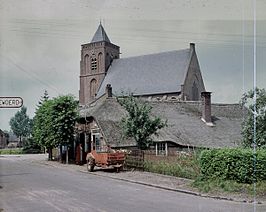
[(64, 114), (44, 98), (138, 123), (260, 113), (21, 124), (54, 122), (39, 126), (42, 126)]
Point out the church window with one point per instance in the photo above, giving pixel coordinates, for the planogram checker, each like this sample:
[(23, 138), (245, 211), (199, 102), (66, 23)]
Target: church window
[(93, 88), (87, 63), (93, 63), (195, 92), (100, 60)]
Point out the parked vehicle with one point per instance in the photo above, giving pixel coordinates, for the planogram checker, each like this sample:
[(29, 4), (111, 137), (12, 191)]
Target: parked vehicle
[(105, 159)]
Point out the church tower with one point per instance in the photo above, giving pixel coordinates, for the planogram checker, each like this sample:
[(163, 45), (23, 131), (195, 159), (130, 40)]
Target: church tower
[(96, 57)]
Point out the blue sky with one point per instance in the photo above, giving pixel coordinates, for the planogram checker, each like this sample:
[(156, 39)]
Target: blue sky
[(40, 42)]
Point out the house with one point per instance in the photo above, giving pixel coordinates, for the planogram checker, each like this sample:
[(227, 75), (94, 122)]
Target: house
[(13, 141), (3, 139), (186, 128), (171, 82)]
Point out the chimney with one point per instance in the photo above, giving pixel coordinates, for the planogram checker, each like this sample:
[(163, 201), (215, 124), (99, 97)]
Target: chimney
[(206, 108), (108, 91), (192, 46)]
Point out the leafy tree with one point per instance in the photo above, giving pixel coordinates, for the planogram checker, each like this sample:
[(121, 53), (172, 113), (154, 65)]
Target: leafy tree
[(39, 126), (21, 124), (138, 123), (42, 126), (64, 114), (54, 122), (260, 113)]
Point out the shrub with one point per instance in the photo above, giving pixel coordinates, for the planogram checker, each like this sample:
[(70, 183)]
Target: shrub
[(31, 147), (233, 164), (14, 151)]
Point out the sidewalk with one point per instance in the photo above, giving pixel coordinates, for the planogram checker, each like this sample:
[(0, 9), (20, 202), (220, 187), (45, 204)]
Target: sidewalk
[(151, 179)]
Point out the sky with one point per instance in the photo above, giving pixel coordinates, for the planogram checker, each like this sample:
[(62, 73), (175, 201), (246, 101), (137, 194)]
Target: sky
[(40, 42)]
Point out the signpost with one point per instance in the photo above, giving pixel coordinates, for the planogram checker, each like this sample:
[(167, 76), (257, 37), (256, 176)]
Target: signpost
[(11, 102)]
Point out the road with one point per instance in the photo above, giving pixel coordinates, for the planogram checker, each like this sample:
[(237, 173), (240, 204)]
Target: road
[(28, 186)]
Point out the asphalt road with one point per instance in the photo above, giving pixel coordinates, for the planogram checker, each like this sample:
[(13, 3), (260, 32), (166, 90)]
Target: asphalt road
[(29, 186)]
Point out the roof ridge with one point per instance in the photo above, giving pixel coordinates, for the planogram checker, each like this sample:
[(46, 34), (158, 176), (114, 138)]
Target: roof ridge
[(172, 51)]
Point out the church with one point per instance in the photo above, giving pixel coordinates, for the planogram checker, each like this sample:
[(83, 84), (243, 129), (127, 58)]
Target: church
[(173, 74), (171, 82)]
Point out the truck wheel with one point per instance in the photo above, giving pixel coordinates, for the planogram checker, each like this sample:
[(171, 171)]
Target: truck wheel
[(90, 166)]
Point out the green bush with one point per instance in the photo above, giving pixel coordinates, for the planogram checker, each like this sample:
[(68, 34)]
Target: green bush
[(233, 164), (31, 147), (14, 151)]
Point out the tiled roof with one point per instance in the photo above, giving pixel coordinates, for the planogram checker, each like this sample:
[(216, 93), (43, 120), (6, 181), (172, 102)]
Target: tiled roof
[(100, 35), (148, 74)]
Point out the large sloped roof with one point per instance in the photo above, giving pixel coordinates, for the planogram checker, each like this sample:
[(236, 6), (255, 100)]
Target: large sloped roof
[(148, 74), (186, 128), (108, 114), (183, 119), (100, 35)]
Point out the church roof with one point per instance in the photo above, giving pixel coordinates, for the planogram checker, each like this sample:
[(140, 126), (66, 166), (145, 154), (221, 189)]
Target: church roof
[(100, 35), (148, 74)]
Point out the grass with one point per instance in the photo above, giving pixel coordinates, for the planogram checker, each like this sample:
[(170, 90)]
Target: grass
[(185, 166), (14, 151), (229, 186)]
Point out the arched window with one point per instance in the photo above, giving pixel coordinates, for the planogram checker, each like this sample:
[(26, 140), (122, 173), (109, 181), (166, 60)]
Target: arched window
[(93, 63), (195, 92), (93, 88), (87, 63), (100, 60)]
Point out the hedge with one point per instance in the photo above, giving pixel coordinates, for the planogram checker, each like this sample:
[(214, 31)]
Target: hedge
[(233, 164)]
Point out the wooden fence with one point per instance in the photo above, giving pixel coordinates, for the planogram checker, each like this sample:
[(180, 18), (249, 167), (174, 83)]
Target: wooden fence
[(135, 160)]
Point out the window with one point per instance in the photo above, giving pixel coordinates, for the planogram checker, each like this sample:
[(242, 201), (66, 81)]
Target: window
[(161, 148), (195, 92), (87, 63), (93, 85), (93, 64), (100, 60), (97, 143)]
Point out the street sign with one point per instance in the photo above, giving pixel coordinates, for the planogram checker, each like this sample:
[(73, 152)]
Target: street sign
[(11, 102)]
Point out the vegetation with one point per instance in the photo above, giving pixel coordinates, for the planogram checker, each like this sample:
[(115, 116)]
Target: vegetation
[(43, 99), (21, 124), (229, 186), (233, 164), (184, 165), (14, 151), (138, 123), (31, 147), (248, 125), (54, 122)]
